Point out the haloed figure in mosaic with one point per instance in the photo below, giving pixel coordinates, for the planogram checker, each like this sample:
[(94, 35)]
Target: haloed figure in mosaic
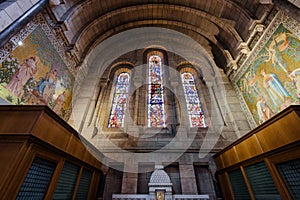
[(46, 86), (275, 89)]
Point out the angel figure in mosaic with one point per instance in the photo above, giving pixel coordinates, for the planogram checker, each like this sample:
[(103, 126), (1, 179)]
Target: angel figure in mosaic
[(278, 44), (47, 85), (263, 110), (248, 83), (26, 70), (59, 102), (295, 77)]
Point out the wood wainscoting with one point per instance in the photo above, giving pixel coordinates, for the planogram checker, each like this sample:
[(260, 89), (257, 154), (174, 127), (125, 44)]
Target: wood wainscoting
[(265, 163), (42, 156)]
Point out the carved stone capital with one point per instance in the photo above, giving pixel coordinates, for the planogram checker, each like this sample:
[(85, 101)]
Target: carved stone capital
[(55, 2), (266, 1), (232, 65), (243, 47), (259, 27)]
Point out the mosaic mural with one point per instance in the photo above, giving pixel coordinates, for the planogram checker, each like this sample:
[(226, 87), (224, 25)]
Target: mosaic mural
[(272, 81), (35, 74)]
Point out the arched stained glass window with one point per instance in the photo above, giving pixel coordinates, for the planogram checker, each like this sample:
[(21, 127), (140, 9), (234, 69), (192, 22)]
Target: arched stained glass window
[(156, 107), (119, 102), (196, 116)]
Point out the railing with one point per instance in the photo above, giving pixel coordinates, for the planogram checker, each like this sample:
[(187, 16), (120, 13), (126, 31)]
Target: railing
[(130, 197), (190, 197), (146, 197)]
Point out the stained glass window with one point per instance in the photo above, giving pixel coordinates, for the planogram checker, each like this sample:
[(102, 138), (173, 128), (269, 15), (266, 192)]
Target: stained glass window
[(156, 107), (117, 113), (193, 103)]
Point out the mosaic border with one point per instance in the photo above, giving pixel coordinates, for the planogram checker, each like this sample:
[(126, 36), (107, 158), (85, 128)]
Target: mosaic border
[(280, 18), (38, 20)]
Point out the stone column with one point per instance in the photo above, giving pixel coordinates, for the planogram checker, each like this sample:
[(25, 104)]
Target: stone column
[(188, 180), (84, 104), (130, 180), (235, 119)]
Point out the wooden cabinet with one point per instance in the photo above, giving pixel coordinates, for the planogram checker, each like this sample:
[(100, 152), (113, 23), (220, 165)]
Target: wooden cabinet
[(265, 163), (41, 156)]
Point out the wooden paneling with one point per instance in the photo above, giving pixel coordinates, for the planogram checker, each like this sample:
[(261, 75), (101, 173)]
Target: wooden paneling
[(76, 148), (275, 141), (14, 121), (10, 151), (53, 133), (248, 148), (230, 157), (281, 130), (30, 131), (225, 185)]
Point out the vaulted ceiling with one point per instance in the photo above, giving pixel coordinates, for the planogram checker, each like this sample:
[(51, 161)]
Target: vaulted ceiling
[(220, 26)]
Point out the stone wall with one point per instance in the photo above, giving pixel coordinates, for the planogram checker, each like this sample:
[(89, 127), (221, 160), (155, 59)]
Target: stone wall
[(190, 150)]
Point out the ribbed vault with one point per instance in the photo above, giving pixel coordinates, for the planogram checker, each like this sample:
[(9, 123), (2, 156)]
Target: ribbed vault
[(217, 25)]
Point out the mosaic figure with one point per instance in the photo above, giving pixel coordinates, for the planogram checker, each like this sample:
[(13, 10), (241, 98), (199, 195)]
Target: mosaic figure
[(26, 70)]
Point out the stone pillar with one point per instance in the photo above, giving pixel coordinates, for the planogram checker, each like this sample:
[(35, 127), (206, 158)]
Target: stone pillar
[(84, 105), (130, 180), (188, 180), (236, 122)]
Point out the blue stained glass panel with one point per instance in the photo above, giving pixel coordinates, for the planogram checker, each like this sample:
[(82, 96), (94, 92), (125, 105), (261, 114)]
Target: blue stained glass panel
[(156, 107), (156, 98), (190, 89), (123, 79), (155, 78), (188, 79), (119, 102), (120, 98), (155, 88), (156, 119), (122, 89), (194, 108)]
